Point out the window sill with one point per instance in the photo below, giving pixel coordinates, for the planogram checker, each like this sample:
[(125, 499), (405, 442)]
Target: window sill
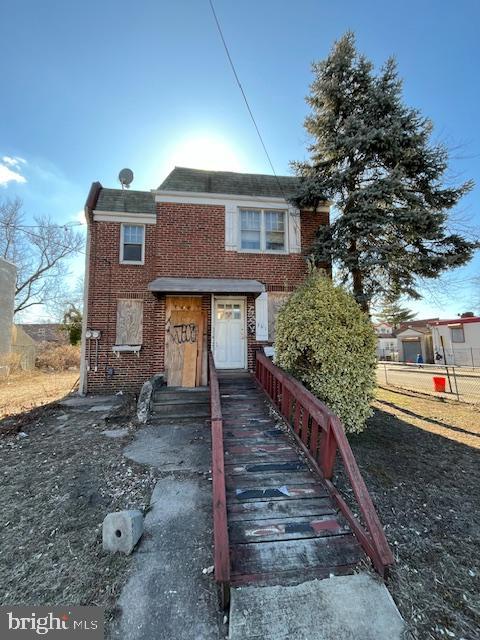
[(126, 348), (133, 262), (266, 252)]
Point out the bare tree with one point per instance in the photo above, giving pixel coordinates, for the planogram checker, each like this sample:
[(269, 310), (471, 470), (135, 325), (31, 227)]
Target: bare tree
[(39, 251)]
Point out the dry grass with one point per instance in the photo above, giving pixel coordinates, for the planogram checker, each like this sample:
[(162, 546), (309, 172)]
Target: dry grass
[(447, 418), (57, 357), (420, 457), (26, 390), (60, 477)]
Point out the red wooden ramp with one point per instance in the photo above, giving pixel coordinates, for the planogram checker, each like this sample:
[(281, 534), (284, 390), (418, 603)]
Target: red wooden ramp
[(277, 517), (283, 526)]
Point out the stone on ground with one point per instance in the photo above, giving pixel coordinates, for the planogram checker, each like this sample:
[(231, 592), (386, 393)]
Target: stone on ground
[(355, 607), (167, 597), (122, 530)]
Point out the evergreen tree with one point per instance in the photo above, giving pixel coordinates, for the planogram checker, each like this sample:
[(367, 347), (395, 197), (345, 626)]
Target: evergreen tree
[(372, 156), (393, 313)]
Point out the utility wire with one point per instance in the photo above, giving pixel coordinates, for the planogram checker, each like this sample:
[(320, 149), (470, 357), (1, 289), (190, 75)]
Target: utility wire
[(245, 97), (38, 236)]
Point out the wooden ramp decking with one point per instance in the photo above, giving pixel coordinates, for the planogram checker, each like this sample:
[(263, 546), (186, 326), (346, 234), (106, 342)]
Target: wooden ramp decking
[(283, 526)]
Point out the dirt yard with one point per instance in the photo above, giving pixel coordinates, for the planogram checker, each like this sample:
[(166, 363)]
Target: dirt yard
[(60, 477), (420, 458), (23, 391)]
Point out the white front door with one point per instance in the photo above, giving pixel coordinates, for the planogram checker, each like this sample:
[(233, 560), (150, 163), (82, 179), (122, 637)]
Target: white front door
[(229, 333)]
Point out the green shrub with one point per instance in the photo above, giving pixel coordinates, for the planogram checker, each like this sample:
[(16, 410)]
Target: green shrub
[(324, 340)]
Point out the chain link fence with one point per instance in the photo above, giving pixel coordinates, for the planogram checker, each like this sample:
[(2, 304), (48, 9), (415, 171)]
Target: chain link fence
[(460, 357), (444, 381)]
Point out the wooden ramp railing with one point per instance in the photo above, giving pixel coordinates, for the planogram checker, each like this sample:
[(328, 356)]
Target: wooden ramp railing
[(220, 524), (320, 435)]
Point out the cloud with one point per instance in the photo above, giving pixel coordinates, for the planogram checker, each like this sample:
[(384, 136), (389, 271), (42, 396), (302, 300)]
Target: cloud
[(10, 171), (13, 162)]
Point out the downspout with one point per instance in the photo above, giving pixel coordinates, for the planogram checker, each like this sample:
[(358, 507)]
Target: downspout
[(89, 206)]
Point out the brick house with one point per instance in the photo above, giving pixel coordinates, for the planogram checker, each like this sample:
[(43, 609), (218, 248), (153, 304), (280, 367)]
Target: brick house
[(203, 262)]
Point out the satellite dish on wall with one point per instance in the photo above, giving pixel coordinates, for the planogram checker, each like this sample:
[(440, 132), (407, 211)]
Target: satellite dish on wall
[(126, 178)]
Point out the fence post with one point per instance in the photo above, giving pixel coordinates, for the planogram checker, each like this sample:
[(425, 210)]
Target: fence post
[(471, 355), (385, 367), (456, 383)]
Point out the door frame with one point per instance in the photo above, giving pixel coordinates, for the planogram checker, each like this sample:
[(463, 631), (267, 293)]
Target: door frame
[(235, 298)]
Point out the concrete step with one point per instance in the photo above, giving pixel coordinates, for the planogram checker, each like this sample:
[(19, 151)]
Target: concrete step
[(174, 410), (181, 398), (159, 420)]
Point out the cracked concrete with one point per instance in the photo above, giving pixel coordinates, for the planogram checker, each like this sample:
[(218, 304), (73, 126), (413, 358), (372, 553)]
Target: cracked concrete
[(356, 607), (167, 597)]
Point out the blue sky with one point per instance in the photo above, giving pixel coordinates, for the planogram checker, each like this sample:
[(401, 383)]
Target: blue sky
[(91, 87)]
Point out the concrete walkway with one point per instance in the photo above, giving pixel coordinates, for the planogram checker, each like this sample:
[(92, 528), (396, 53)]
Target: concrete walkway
[(168, 597), (354, 607)]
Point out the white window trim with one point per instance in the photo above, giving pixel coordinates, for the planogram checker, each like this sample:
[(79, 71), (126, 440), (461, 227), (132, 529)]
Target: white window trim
[(263, 235), (129, 218), (122, 229)]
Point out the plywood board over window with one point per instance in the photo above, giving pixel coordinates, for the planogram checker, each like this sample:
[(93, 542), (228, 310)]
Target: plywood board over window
[(129, 322)]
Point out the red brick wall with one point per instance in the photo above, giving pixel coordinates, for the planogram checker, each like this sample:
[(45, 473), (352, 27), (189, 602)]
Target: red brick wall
[(191, 243), (187, 241)]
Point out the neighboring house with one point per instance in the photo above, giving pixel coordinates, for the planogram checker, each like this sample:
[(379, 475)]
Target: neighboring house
[(24, 348), (461, 341), (414, 337), (203, 262), (8, 277), (46, 332), (387, 347)]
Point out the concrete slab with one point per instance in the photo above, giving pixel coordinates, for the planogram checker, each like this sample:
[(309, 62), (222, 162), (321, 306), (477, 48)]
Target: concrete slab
[(354, 607), (172, 447), (167, 597), (92, 403), (116, 433)]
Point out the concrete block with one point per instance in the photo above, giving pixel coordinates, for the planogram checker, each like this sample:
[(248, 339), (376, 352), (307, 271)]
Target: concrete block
[(122, 530)]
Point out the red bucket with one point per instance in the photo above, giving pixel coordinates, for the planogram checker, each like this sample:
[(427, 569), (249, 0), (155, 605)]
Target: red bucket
[(439, 384)]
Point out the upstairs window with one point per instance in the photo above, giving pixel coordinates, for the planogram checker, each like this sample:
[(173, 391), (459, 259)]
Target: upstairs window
[(250, 222), (262, 230), (132, 243), (274, 230)]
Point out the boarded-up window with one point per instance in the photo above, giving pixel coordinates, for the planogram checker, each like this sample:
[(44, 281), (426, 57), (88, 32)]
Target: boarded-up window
[(129, 322), (276, 299)]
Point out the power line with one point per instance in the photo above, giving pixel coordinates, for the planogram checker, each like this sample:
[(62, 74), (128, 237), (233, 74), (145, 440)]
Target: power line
[(22, 228), (244, 96), (67, 225)]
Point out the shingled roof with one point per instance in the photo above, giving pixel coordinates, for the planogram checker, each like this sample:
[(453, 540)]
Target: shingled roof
[(228, 182), (124, 200)]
